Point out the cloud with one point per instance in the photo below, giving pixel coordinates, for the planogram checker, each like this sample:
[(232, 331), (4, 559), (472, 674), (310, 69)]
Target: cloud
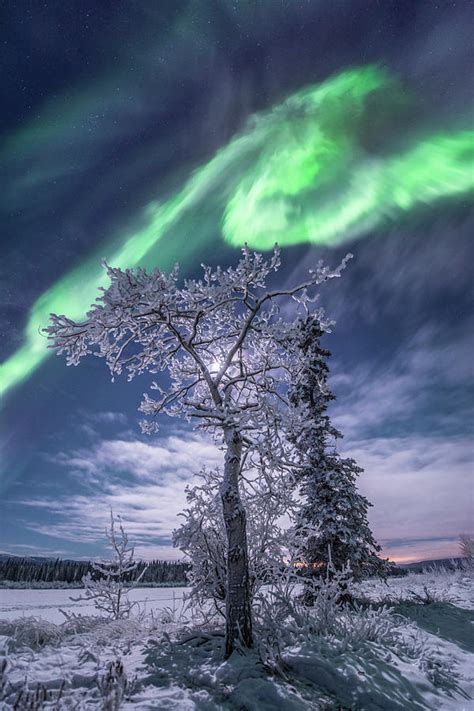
[(143, 483), (421, 491), (419, 550), (176, 456), (420, 488), (23, 549), (109, 418), (420, 385), (406, 421)]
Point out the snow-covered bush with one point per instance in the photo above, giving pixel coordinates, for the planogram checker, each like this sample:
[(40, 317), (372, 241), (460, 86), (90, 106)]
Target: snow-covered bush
[(428, 596), (284, 609), (466, 548), (435, 584), (361, 624), (33, 632), (79, 624), (333, 643), (202, 537), (36, 632)]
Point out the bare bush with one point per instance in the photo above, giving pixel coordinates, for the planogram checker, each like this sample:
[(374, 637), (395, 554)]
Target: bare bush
[(110, 582), (466, 548)]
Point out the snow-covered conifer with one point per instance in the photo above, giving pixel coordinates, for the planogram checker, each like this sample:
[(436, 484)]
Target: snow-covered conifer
[(327, 482)]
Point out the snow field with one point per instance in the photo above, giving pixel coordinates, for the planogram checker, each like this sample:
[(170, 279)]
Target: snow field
[(48, 604), (416, 655)]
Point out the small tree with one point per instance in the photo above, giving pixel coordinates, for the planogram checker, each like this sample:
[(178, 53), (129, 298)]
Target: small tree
[(327, 482), (225, 348), (108, 584)]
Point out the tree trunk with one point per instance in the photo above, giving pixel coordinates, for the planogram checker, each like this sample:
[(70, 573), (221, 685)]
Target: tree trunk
[(238, 607)]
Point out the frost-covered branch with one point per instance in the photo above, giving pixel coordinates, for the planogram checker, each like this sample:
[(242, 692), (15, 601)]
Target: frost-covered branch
[(108, 584), (202, 538)]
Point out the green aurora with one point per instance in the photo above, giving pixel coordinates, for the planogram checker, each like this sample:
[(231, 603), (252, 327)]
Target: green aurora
[(297, 173)]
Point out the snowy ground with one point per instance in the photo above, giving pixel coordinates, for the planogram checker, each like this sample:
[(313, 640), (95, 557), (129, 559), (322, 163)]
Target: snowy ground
[(48, 604), (419, 654)]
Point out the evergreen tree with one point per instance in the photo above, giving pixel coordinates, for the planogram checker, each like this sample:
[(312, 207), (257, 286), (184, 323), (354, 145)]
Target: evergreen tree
[(332, 509)]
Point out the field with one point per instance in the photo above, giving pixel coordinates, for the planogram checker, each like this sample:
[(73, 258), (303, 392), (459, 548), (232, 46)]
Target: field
[(47, 604), (408, 644)]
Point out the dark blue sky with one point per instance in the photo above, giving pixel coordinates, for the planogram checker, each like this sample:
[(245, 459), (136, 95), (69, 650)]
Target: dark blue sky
[(108, 110)]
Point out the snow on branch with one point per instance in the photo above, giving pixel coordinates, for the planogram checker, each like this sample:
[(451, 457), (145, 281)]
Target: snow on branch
[(108, 584), (220, 338)]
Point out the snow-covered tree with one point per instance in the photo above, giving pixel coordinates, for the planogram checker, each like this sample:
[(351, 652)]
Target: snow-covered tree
[(202, 535), (110, 581), (327, 482), (202, 538), (225, 347)]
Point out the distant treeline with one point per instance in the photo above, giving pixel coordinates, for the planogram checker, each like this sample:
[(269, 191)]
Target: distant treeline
[(40, 570)]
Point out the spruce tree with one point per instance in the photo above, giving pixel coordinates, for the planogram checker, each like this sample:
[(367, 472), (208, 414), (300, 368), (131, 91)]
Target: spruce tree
[(332, 522)]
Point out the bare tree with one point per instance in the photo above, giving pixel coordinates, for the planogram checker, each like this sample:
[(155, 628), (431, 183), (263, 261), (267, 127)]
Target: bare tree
[(108, 585), (225, 347)]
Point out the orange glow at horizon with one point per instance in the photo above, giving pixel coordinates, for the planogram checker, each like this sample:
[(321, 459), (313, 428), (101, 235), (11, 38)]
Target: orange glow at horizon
[(436, 550)]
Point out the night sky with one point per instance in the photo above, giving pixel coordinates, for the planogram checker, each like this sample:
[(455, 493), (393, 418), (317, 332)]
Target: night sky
[(151, 133)]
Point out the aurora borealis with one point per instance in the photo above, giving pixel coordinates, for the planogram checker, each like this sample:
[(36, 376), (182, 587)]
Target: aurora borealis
[(149, 136), (296, 174)]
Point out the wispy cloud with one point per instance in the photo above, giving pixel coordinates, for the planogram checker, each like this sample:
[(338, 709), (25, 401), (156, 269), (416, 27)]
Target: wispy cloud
[(144, 483), (421, 490), (155, 461), (377, 397), (109, 418), (406, 422)]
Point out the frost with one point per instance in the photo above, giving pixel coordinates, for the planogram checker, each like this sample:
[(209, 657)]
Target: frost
[(109, 583)]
